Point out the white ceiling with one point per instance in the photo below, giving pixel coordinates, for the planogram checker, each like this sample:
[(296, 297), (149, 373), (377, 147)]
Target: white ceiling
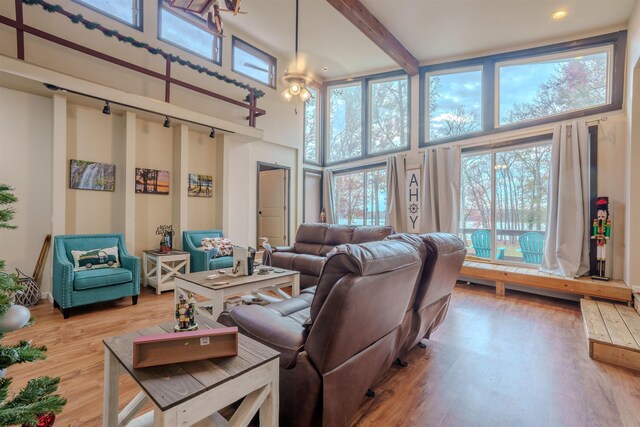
[(432, 30)]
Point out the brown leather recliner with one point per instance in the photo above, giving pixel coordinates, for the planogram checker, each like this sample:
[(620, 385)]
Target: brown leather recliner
[(315, 241), (443, 255), (335, 342)]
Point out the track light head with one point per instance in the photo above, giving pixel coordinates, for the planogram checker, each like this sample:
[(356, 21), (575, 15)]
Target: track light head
[(213, 133), (106, 109), (51, 87), (167, 122)]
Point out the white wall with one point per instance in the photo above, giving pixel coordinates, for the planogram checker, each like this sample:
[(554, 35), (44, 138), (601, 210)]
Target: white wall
[(632, 150), (25, 163), (202, 161)]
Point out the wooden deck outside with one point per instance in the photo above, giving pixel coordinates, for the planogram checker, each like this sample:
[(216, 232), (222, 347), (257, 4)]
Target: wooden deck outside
[(502, 274), (613, 333)]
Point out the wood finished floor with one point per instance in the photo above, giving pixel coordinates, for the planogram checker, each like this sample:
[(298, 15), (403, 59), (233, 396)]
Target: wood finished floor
[(515, 361)]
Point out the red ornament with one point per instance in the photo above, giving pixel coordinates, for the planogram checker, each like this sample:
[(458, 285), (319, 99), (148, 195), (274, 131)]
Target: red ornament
[(44, 420)]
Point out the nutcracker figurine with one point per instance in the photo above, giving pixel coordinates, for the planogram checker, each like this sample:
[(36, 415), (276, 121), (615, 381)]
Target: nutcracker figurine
[(601, 234), (185, 314)]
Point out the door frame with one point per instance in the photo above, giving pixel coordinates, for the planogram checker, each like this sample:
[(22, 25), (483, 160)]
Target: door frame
[(264, 166)]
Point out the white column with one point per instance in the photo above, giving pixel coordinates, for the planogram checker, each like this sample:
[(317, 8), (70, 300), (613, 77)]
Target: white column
[(180, 182), (129, 179), (58, 170)]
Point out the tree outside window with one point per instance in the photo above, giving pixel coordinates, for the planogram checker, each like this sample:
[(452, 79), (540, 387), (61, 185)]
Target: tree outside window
[(345, 122), (360, 198)]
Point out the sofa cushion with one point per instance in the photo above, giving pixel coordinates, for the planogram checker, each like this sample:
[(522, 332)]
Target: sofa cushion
[(220, 262), (90, 279), (367, 234), (283, 260), (308, 264)]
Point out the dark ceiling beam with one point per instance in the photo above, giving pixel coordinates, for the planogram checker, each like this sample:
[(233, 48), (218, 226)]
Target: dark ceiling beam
[(366, 22)]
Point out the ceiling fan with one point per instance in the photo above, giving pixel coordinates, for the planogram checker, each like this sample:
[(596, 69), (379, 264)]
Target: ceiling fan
[(296, 81)]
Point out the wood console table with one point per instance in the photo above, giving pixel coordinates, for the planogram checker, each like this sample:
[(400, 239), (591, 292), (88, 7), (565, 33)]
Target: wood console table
[(191, 393)]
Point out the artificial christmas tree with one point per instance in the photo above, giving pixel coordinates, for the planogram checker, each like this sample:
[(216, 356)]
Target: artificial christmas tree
[(37, 399)]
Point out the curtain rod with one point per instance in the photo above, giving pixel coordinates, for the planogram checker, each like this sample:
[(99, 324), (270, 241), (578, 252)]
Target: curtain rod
[(533, 133)]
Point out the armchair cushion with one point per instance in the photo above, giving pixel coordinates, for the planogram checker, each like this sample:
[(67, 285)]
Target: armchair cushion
[(90, 279), (278, 325), (220, 262)]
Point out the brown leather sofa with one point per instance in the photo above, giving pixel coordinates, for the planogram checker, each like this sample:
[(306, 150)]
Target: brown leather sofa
[(315, 241), (443, 255), (337, 339)]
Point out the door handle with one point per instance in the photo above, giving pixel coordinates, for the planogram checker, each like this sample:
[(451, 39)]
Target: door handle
[(259, 212)]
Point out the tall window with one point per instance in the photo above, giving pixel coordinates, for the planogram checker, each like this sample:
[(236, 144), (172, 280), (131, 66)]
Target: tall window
[(388, 114), (503, 203), (189, 33), (345, 122), (126, 11), (454, 103), (360, 197), (251, 62), (540, 87), (311, 128)]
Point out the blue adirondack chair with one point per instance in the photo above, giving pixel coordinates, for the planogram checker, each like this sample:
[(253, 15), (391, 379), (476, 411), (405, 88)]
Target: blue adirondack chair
[(531, 246), (481, 243)]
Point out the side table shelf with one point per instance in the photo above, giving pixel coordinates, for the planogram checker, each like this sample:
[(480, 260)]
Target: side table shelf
[(160, 269)]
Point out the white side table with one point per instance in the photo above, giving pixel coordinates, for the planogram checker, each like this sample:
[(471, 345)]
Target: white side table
[(160, 269)]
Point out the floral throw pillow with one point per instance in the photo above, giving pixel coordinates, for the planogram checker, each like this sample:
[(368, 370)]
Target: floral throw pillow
[(218, 246), (95, 258)]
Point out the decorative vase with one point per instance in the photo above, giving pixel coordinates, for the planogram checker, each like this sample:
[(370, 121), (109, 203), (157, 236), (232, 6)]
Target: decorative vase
[(16, 317)]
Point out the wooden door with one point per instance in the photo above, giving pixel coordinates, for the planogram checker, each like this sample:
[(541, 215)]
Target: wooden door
[(272, 206)]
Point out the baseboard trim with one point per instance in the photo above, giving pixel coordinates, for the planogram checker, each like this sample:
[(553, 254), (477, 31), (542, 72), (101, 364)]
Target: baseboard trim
[(47, 296)]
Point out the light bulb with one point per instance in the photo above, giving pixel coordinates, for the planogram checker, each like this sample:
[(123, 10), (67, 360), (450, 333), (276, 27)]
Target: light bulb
[(559, 14), (305, 94), (294, 88), (287, 95)]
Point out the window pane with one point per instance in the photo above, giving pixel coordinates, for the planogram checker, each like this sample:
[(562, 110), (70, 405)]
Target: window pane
[(124, 10), (345, 122), (475, 204), (388, 123), (187, 35), (376, 201), (311, 127), (454, 104), (546, 88), (253, 63), (349, 198), (522, 179)]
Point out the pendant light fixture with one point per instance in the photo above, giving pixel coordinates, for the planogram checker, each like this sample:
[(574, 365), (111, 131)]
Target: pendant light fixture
[(296, 82)]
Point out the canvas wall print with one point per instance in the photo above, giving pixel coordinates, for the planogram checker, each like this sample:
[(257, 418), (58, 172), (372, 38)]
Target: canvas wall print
[(200, 185), (152, 181), (84, 175)]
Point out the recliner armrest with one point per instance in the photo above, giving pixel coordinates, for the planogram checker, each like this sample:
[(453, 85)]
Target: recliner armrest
[(274, 330), (283, 249)]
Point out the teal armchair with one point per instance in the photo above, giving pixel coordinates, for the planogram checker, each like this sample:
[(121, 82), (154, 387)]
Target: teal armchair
[(532, 247), (481, 243), (204, 260), (74, 288)]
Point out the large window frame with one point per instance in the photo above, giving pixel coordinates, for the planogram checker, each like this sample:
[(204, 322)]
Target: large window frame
[(216, 48), (489, 64), (363, 169), (319, 131), (139, 4), (238, 43), (527, 142), (364, 83)]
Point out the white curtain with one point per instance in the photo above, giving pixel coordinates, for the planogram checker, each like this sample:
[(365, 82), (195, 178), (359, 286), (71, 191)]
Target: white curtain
[(396, 193), (566, 248), (327, 194), (440, 192)]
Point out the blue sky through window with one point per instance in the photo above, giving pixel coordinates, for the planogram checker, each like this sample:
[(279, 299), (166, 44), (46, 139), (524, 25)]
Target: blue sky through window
[(121, 9), (457, 102)]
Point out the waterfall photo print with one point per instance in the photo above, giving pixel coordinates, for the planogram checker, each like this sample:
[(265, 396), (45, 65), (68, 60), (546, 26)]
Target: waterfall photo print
[(84, 175)]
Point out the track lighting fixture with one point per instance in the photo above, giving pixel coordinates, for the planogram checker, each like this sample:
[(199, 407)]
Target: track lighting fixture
[(213, 133), (107, 109), (167, 122)]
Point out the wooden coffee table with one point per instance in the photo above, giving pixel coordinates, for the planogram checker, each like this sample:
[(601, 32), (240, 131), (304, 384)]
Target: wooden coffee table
[(184, 394), (216, 290)]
